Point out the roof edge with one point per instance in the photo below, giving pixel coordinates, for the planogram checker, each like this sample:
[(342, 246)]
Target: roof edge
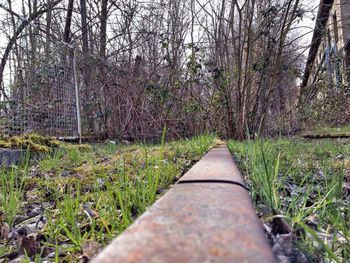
[(322, 17)]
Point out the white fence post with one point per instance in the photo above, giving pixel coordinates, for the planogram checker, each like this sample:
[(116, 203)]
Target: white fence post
[(77, 94)]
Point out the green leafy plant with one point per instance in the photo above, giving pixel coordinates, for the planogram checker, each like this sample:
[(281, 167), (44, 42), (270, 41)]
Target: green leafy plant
[(12, 182)]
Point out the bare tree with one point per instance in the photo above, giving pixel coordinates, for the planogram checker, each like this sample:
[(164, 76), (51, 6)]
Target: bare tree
[(191, 65)]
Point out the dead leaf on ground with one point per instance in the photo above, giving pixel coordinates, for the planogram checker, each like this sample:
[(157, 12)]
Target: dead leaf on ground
[(4, 231), (4, 227), (344, 163), (89, 250), (28, 245), (312, 220)]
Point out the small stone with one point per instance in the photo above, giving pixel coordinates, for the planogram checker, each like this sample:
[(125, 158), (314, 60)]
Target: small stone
[(100, 182), (25, 230), (30, 221), (18, 260), (19, 219), (66, 173), (285, 250), (51, 255), (160, 191), (34, 212), (312, 220), (126, 142), (88, 211), (48, 205), (297, 256), (40, 225), (280, 226)]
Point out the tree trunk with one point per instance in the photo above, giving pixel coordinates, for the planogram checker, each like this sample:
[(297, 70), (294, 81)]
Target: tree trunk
[(103, 28), (66, 34)]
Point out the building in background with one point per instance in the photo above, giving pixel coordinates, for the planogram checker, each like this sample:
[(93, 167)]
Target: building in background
[(328, 60)]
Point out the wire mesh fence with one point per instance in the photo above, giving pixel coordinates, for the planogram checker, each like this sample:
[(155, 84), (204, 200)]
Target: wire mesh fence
[(42, 96)]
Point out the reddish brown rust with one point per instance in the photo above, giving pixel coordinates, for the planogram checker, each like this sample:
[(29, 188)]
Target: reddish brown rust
[(201, 222)]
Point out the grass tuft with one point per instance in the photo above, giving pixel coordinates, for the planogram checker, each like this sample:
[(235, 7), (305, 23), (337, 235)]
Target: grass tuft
[(93, 193), (302, 180)]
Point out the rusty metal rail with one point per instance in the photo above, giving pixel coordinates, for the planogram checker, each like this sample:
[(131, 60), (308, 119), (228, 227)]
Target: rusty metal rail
[(206, 217), (327, 135)]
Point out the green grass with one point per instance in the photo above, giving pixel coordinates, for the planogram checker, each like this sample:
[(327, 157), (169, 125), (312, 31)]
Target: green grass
[(11, 189), (330, 130), (301, 180), (51, 162), (108, 187)]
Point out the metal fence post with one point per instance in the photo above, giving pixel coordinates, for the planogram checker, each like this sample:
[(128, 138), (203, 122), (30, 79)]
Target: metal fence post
[(77, 94)]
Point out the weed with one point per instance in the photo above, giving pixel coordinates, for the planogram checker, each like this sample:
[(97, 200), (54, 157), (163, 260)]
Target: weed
[(69, 209), (51, 162), (302, 180), (107, 188), (12, 183)]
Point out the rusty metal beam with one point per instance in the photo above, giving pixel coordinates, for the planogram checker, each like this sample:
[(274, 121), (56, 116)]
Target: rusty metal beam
[(209, 221)]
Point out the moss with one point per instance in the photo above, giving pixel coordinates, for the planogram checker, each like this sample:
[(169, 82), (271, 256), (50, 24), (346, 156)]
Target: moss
[(36, 142), (84, 147), (39, 148), (5, 144), (79, 147), (55, 143)]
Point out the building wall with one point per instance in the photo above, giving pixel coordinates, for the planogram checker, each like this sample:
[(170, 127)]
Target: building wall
[(345, 12), (329, 62)]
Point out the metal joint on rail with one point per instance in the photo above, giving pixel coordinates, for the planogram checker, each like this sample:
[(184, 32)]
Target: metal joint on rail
[(206, 217)]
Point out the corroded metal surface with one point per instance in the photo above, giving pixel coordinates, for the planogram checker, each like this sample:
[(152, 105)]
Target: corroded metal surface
[(200, 222), (327, 135)]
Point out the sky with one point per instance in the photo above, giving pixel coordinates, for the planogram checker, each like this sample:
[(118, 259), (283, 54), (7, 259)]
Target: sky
[(305, 26)]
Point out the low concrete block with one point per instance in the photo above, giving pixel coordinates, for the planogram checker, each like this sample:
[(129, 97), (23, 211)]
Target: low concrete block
[(10, 157)]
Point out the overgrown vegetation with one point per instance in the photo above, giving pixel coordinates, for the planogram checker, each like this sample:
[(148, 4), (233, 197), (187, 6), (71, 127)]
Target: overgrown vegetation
[(76, 199), (321, 106), (307, 185), (161, 67)]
